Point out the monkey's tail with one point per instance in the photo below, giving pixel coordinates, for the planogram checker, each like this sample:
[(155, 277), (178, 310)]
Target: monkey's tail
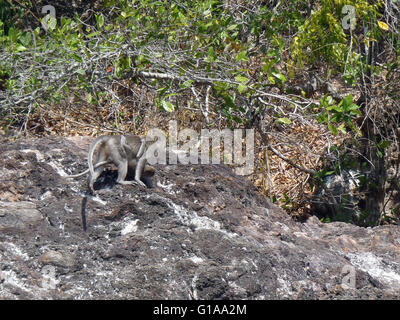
[(78, 174), (83, 212), (87, 170)]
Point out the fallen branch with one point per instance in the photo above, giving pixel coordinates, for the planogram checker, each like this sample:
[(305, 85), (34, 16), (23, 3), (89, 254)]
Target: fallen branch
[(280, 155)]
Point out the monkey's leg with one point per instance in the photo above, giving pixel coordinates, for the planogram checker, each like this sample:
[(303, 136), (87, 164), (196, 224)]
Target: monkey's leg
[(122, 172), (138, 171), (92, 179)]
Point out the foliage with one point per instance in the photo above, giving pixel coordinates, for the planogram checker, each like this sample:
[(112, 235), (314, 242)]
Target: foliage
[(186, 44), (324, 34), (12, 14), (338, 116)]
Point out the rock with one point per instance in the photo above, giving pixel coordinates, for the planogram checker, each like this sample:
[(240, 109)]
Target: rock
[(18, 215), (201, 233), (60, 259), (337, 198)]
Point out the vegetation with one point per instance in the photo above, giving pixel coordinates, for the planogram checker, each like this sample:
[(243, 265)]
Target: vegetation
[(318, 80)]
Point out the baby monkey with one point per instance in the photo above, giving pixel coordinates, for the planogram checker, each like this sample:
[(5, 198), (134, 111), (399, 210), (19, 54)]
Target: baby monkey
[(127, 152)]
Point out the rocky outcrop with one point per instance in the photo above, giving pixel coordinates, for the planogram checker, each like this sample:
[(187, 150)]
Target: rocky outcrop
[(200, 233)]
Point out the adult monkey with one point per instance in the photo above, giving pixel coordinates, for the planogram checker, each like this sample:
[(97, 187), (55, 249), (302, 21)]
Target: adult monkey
[(125, 151)]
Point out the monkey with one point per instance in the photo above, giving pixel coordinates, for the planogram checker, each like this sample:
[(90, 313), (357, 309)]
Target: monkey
[(126, 152)]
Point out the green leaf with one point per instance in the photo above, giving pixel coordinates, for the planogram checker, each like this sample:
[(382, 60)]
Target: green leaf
[(271, 79), (348, 100), (329, 100), (90, 35), (267, 65), (12, 34), (232, 27), (65, 22), (229, 102), (36, 32), (284, 120), (241, 88), (76, 57), (342, 128), (20, 48), (187, 84), (384, 144), (100, 21), (25, 39), (237, 119), (242, 56), (333, 129), (279, 76), (168, 106), (241, 79), (51, 22), (211, 54), (182, 17)]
